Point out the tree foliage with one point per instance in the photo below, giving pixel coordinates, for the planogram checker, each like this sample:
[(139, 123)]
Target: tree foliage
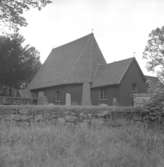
[(155, 106), (18, 64), (154, 52), (11, 11)]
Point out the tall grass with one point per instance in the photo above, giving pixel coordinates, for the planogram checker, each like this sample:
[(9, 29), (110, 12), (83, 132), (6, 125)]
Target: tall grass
[(80, 146)]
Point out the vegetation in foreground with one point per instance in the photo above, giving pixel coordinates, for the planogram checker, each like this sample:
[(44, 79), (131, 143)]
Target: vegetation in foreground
[(80, 146)]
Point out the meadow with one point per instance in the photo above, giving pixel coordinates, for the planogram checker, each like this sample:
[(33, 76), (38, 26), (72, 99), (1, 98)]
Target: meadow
[(98, 144)]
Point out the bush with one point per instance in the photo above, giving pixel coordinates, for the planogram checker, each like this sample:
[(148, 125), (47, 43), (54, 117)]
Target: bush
[(155, 107)]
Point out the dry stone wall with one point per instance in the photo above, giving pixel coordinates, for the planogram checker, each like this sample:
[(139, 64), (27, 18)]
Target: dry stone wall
[(7, 100), (72, 114)]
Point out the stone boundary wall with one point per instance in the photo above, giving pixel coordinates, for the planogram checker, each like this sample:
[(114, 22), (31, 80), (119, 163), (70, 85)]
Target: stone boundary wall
[(7, 100), (72, 114)]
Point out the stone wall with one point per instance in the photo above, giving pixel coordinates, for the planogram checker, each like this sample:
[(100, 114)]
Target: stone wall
[(72, 114), (7, 100)]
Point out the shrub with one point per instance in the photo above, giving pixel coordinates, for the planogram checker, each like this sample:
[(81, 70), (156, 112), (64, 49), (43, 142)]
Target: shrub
[(155, 107)]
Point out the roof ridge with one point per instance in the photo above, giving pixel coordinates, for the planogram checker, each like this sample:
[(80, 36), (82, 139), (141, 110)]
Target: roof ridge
[(72, 41), (118, 61)]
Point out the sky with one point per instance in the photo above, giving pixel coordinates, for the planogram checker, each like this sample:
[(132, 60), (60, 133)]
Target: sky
[(121, 27)]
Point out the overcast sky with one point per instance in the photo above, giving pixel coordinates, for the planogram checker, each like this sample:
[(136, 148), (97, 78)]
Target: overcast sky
[(121, 27)]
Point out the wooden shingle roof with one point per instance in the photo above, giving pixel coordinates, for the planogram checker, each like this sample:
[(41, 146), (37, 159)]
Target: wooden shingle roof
[(78, 62), (74, 62), (111, 74)]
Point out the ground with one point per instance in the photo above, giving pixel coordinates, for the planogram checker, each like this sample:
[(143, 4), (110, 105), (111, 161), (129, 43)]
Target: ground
[(83, 145)]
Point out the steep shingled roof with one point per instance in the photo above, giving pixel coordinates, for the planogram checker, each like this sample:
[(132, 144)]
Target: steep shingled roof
[(74, 62), (111, 74), (78, 62)]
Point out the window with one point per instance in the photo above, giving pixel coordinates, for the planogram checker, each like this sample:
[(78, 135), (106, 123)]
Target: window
[(134, 87), (59, 97), (103, 94)]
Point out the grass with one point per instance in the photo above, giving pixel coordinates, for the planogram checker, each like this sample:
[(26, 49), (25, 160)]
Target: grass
[(97, 145)]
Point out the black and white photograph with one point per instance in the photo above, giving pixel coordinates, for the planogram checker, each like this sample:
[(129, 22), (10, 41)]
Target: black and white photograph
[(81, 83)]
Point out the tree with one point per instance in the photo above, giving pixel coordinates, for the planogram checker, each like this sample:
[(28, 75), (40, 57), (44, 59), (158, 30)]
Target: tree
[(154, 52), (11, 11), (18, 64)]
